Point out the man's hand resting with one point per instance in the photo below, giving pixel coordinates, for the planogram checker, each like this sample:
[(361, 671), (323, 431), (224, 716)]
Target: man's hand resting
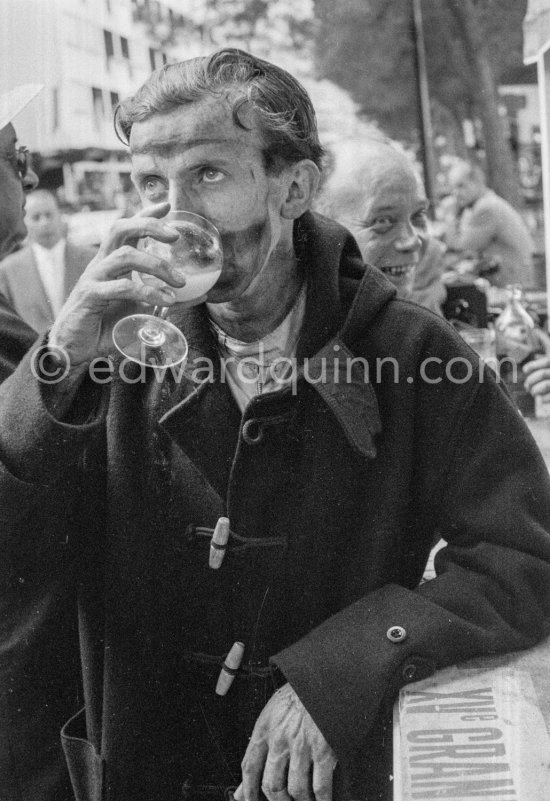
[(287, 757)]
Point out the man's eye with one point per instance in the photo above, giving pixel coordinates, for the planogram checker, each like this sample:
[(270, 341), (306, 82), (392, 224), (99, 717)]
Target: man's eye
[(152, 184), (209, 175), (381, 224)]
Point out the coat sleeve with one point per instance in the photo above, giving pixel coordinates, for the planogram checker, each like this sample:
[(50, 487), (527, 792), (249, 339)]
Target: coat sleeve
[(491, 593), (16, 336), (40, 459)]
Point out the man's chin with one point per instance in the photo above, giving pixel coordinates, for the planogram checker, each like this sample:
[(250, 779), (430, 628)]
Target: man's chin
[(224, 293)]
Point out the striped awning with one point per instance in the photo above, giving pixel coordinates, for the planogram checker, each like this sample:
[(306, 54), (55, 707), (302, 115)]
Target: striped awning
[(536, 30)]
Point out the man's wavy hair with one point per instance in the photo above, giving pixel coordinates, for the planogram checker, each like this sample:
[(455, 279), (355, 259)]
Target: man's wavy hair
[(283, 110)]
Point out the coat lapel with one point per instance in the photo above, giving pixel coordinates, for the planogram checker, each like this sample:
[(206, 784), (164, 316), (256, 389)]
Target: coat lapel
[(203, 419), (328, 329), (344, 387)]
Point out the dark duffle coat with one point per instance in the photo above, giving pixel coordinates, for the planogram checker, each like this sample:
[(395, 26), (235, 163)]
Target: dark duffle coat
[(335, 493)]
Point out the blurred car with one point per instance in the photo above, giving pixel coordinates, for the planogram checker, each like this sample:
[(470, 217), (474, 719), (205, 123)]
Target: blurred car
[(88, 228)]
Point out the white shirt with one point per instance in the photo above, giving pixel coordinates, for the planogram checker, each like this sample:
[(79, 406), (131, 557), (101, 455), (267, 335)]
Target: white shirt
[(265, 365), (50, 263)]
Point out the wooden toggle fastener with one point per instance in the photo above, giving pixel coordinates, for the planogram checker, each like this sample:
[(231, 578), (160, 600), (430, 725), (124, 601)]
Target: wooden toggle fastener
[(229, 668), (218, 543)]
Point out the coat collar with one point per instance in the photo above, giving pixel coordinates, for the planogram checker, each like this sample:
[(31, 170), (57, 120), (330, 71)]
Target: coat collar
[(337, 279)]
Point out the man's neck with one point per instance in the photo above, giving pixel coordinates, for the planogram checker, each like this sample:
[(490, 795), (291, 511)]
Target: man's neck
[(263, 307)]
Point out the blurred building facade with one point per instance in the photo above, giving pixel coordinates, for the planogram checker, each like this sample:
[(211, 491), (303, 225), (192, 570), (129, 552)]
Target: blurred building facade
[(88, 54)]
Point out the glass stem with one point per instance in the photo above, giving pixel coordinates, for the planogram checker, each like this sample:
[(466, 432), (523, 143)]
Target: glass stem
[(160, 311)]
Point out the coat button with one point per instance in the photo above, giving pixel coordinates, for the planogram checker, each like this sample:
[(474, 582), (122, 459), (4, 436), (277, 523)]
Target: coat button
[(230, 668), (253, 432), (218, 543), (396, 634), (409, 672), (251, 369)]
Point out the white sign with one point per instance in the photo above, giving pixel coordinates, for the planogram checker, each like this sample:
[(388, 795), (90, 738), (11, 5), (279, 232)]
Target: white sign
[(471, 734)]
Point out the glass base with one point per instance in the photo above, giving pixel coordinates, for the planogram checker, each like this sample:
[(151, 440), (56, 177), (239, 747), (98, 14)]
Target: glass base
[(150, 341)]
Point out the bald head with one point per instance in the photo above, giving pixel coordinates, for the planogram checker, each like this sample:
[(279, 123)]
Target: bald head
[(375, 191), (360, 168)]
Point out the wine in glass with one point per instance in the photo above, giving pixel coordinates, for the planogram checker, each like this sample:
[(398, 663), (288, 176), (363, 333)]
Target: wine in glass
[(150, 339)]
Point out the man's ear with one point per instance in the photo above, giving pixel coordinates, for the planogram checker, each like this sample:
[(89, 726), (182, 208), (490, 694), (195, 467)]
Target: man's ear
[(303, 182)]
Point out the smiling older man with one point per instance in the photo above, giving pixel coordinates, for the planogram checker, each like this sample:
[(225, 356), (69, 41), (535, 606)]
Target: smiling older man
[(375, 191), (271, 667)]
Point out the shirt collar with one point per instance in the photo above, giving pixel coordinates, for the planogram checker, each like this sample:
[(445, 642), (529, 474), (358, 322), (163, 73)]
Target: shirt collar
[(50, 254)]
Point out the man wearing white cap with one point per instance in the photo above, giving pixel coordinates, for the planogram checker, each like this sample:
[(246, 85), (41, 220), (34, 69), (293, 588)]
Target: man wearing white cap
[(16, 179), (31, 710), (16, 175)]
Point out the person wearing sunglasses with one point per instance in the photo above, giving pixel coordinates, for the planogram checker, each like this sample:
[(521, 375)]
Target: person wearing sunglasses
[(16, 174), (31, 706), (16, 179)]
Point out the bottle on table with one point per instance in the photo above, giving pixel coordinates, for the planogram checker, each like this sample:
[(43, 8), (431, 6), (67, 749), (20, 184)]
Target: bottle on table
[(516, 344)]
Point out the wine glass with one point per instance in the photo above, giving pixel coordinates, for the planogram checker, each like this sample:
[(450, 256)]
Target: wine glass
[(150, 339)]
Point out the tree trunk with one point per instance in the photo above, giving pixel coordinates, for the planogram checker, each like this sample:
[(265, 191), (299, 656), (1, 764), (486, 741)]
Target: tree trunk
[(500, 165)]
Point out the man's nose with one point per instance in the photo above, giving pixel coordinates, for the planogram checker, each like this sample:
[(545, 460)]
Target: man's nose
[(181, 200), (408, 240), (30, 180)]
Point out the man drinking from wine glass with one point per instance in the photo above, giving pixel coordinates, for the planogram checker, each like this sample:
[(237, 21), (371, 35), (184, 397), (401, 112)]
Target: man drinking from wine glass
[(245, 545)]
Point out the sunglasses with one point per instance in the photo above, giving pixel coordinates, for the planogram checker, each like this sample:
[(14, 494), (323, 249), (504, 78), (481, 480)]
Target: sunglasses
[(23, 160)]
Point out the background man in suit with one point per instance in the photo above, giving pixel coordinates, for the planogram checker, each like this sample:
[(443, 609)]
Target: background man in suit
[(38, 278)]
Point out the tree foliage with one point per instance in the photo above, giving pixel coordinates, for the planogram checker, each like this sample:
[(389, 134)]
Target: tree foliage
[(367, 47), (263, 26)]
